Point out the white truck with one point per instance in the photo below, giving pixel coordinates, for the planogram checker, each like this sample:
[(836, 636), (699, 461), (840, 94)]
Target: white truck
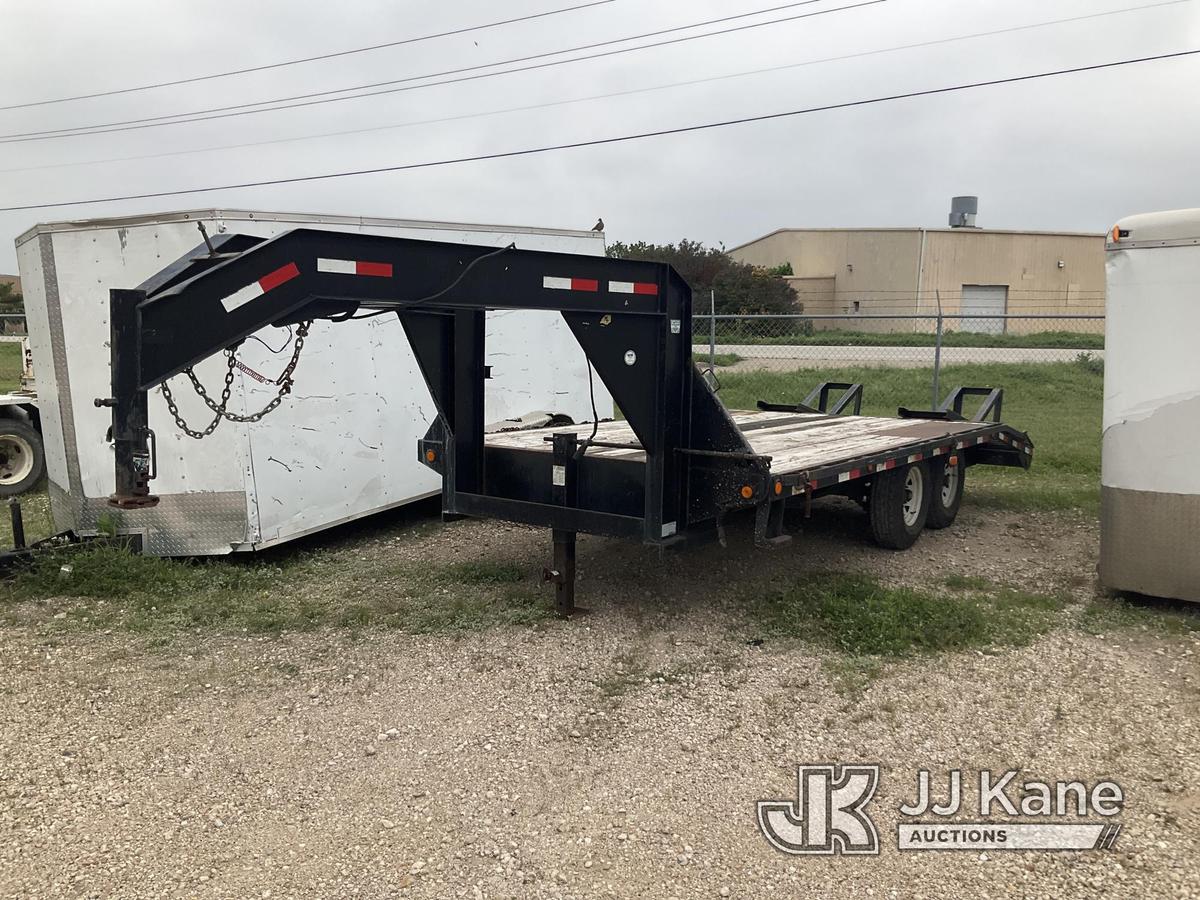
[(22, 457), (328, 454)]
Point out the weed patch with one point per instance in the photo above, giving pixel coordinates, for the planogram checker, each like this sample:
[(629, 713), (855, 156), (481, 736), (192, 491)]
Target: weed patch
[(118, 589), (858, 616), (1106, 613)]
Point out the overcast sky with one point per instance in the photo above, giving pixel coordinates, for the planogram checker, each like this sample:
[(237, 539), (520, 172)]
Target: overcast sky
[(1074, 152)]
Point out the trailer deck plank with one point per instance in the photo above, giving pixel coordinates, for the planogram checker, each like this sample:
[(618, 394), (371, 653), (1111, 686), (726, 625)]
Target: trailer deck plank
[(796, 442)]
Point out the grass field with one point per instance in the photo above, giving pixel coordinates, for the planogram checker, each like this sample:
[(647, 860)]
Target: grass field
[(1070, 340), (1057, 404), (10, 366)]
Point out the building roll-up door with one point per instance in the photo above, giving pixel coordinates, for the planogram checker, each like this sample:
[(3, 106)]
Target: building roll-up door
[(984, 300)]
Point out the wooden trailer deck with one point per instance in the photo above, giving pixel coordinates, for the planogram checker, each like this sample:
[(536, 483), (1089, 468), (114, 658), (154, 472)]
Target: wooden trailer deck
[(803, 442)]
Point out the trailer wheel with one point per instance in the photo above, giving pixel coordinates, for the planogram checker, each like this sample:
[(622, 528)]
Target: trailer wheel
[(22, 457), (899, 506), (947, 481)]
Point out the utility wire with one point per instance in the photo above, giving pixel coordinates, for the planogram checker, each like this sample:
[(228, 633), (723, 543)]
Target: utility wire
[(243, 109), (607, 96), (307, 59), (617, 139)]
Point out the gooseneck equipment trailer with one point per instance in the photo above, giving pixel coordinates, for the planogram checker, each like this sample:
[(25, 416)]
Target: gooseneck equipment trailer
[(676, 465)]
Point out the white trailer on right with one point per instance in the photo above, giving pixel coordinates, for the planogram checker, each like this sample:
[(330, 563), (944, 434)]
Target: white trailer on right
[(1150, 470)]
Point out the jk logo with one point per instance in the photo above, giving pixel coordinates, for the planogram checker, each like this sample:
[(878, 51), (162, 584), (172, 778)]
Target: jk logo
[(827, 816)]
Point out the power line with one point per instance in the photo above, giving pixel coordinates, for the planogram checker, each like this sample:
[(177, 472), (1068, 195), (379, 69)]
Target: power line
[(596, 142), (243, 109), (606, 96), (307, 59)]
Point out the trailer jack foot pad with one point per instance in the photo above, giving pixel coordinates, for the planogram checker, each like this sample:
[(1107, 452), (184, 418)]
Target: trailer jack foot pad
[(134, 502)]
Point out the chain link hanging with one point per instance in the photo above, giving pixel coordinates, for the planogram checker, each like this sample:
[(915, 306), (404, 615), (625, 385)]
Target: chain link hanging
[(220, 409)]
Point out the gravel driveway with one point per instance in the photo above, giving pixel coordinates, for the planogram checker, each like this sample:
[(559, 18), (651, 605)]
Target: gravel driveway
[(619, 754)]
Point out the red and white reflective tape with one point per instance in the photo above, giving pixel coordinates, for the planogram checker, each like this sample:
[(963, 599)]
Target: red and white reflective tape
[(847, 476), (885, 465), (554, 283), (632, 287), (916, 457), (355, 267), (256, 289)]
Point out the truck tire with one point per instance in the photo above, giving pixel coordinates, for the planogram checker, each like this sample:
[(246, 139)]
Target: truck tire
[(22, 457), (899, 506), (947, 482)]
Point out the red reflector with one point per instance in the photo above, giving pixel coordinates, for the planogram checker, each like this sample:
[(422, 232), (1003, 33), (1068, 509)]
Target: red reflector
[(642, 287), (381, 270), (585, 284), (281, 275)]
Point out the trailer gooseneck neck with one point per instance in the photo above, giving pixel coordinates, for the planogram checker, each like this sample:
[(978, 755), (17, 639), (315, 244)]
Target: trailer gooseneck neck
[(676, 465)]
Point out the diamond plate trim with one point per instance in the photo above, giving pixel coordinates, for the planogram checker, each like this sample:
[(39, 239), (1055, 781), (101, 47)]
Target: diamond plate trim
[(58, 352)]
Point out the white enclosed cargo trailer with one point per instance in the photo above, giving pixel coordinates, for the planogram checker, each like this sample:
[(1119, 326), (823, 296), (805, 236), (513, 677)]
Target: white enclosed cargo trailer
[(341, 446), (1150, 482)]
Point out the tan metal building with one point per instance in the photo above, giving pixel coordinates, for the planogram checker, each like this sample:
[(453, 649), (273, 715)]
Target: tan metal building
[(974, 271)]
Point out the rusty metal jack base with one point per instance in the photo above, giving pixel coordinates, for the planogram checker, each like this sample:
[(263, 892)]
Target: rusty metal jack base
[(133, 501)]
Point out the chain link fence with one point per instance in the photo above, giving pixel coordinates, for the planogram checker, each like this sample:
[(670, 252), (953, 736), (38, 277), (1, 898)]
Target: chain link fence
[(12, 325), (772, 351)]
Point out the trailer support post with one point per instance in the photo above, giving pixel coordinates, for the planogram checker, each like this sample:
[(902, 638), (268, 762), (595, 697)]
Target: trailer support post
[(565, 447), (18, 524)]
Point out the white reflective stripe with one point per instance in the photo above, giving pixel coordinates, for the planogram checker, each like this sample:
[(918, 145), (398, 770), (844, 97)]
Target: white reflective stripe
[(558, 284), (843, 476), (620, 287), (339, 266), (250, 292)]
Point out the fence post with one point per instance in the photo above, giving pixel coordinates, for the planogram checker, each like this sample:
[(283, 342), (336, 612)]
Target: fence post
[(712, 330), (937, 353)]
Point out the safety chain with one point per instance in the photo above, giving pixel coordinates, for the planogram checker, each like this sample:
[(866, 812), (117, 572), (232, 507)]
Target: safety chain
[(220, 409)]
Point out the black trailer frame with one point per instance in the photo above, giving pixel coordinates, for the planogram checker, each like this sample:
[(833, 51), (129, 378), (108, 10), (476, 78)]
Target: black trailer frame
[(688, 462)]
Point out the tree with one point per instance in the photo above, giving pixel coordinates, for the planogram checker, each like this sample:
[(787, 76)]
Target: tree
[(740, 288), (10, 300)]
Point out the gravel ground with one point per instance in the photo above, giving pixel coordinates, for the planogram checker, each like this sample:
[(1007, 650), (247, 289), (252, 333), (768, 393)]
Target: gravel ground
[(619, 754)]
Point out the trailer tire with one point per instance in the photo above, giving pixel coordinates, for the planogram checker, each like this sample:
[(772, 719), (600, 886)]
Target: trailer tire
[(899, 506), (946, 495), (22, 457)]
